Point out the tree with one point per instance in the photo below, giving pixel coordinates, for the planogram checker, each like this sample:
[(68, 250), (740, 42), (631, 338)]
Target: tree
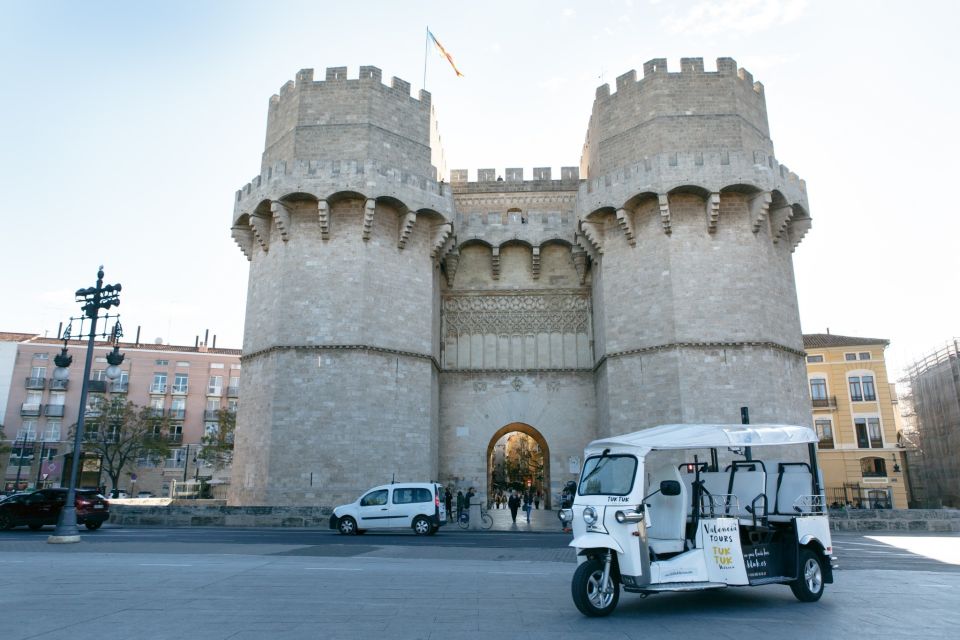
[(123, 433), (217, 447)]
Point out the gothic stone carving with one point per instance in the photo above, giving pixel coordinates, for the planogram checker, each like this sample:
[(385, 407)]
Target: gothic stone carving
[(516, 313)]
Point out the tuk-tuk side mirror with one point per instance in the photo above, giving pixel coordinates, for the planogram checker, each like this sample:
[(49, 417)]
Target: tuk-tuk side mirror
[(670, 487)]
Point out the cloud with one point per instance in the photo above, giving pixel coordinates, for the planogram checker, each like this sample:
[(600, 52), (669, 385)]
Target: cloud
[(568, 13), (742, 16)]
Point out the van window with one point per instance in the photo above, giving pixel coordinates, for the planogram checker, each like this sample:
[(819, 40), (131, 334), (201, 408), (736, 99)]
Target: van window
[(410, 495), (608, 475), (374, 498)]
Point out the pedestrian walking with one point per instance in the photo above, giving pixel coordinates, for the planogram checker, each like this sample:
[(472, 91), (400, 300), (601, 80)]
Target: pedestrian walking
[(527, 504), (459, 504), (514, 503), (448, 501), (536, 500)]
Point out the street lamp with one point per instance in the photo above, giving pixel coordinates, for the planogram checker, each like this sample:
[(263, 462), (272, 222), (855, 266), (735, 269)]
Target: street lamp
[(93, 299)]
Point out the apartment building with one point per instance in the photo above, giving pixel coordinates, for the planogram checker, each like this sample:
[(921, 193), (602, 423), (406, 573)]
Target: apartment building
[(189, 384), (853, 406)]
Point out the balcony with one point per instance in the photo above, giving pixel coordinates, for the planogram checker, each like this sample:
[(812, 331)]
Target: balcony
[(824, 403), (233, 392), (179, 390), (119, 387), (158, 388), (175, 438), (59, 385), (211, 415), (214, 391), (155, 412), (29, 409), (97, 386), (36, 383), (172, 463), (177, 414), (53, 410)]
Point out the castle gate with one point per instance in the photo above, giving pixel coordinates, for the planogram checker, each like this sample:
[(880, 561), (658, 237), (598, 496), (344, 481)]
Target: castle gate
[(518, 457)]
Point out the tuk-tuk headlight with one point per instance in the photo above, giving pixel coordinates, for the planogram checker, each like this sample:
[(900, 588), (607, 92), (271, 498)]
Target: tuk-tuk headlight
[(590, 516), (566, 515)]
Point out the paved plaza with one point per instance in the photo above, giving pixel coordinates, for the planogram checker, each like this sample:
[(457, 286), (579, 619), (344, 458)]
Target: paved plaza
[(217, 584)]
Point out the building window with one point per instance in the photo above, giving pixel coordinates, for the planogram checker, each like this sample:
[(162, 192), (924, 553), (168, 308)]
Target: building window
[(100, 375), (864, 355), (178, 408), (818, 389), (52, 432), (873, 467), (825, 433), (38, 373), (215, 387), (27, 431), (183, 363), (180, 383), (159, 383), (41, 356), (849, 356), (162, 363), (862, 389), (869, 435), (815, 358)]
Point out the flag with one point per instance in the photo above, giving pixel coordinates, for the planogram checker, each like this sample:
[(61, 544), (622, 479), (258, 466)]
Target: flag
[(444, 53)]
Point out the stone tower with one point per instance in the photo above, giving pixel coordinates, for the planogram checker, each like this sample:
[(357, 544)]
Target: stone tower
[(398, 326), (341, 229)]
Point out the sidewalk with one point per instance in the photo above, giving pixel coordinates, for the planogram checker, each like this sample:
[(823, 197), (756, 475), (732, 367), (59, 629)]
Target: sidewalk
[(541, 520)]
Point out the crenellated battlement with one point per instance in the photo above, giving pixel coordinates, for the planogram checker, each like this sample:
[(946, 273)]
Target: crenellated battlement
[(337, 77), (691, 69), (512, 179)]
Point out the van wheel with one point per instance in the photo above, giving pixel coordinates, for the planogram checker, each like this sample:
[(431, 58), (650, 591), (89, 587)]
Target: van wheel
[(808, 587), (35, 527), (422, 526), (5, 522), (93, 526), (347, 526), (589, 595)]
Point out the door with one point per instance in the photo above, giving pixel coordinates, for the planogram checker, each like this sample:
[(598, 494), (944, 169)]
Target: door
[(409, 502), (374, 510)]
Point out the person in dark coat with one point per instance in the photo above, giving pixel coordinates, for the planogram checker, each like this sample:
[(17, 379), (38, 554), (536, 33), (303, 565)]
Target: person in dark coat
[(528, 504), (448, 501), (514, 503), (459, 504)]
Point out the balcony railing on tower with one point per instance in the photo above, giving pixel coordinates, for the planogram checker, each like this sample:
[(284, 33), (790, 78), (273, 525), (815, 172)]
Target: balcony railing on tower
[(824, 403), (36, 383)]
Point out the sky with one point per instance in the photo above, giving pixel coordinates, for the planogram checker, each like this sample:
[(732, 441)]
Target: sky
[(127, 127)]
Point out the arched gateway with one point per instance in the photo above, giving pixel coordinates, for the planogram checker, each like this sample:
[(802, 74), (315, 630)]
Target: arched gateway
[(518, 457)]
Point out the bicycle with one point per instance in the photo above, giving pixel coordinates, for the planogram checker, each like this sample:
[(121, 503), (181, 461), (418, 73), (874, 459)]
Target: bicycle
[(486, 520)]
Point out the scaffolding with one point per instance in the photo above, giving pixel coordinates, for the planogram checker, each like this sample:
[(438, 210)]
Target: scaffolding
[(934, 399)]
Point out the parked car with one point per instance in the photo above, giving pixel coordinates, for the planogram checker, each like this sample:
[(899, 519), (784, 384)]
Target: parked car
[(407, 505), (43, 508), (119, 493)]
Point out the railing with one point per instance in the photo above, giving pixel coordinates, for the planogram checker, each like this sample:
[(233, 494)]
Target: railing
[(211, 414), (30, 436), (53, 410), (178, 414), (97, 386), (820, 403), (158, 388), (171, 463), (233, 392), (59, 385), (36, 383), (30, 409), (119, 387), (155, 412), (179, 390), (214, 391), (175, 437)]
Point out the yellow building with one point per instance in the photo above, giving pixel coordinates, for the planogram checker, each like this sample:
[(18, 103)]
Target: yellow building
[(853, 413)]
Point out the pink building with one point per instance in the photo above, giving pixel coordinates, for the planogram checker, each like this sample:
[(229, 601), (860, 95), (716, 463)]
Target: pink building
[(187, 383)]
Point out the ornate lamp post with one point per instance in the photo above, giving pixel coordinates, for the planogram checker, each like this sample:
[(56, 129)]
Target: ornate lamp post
[(93, 299)]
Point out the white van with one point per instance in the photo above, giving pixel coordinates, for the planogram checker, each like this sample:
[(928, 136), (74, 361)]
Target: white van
[(401, 505)]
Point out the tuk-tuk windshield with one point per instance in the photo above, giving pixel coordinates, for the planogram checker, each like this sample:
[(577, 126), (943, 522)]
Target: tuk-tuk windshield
[(608, 475)]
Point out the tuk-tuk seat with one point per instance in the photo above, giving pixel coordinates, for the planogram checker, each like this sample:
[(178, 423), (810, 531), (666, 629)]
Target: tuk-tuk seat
[(793, 480), (668, 521)]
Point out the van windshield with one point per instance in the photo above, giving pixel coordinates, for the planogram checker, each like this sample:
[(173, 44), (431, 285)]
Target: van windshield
[(608, 475)]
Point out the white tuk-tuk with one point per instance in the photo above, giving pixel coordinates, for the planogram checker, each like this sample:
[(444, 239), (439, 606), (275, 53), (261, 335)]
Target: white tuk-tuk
[(693, 506)]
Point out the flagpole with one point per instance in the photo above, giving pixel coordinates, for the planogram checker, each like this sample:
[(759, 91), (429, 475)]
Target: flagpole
[(426, 49)]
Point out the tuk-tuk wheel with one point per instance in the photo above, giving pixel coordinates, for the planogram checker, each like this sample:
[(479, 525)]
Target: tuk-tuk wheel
[(588, 593), (808, 587)]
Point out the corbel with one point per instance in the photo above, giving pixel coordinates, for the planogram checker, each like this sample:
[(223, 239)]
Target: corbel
[(261, 230), (664, 202), (243, 236), (323, 216), (760, 209), (282, 214), (368, 208), (535, 264), (713, 212), (406, 227), (626, 224)]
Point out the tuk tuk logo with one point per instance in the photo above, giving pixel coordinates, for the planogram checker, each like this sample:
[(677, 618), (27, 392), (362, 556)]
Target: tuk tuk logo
[(723, 557), (720, 533)]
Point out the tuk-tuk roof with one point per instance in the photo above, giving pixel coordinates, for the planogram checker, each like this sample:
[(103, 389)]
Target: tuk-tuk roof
[(707, 436)]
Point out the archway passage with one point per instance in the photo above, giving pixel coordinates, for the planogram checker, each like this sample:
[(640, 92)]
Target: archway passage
[(518, 458)]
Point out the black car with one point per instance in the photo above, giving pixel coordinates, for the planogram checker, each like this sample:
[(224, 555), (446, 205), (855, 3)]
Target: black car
[(43, 507)]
